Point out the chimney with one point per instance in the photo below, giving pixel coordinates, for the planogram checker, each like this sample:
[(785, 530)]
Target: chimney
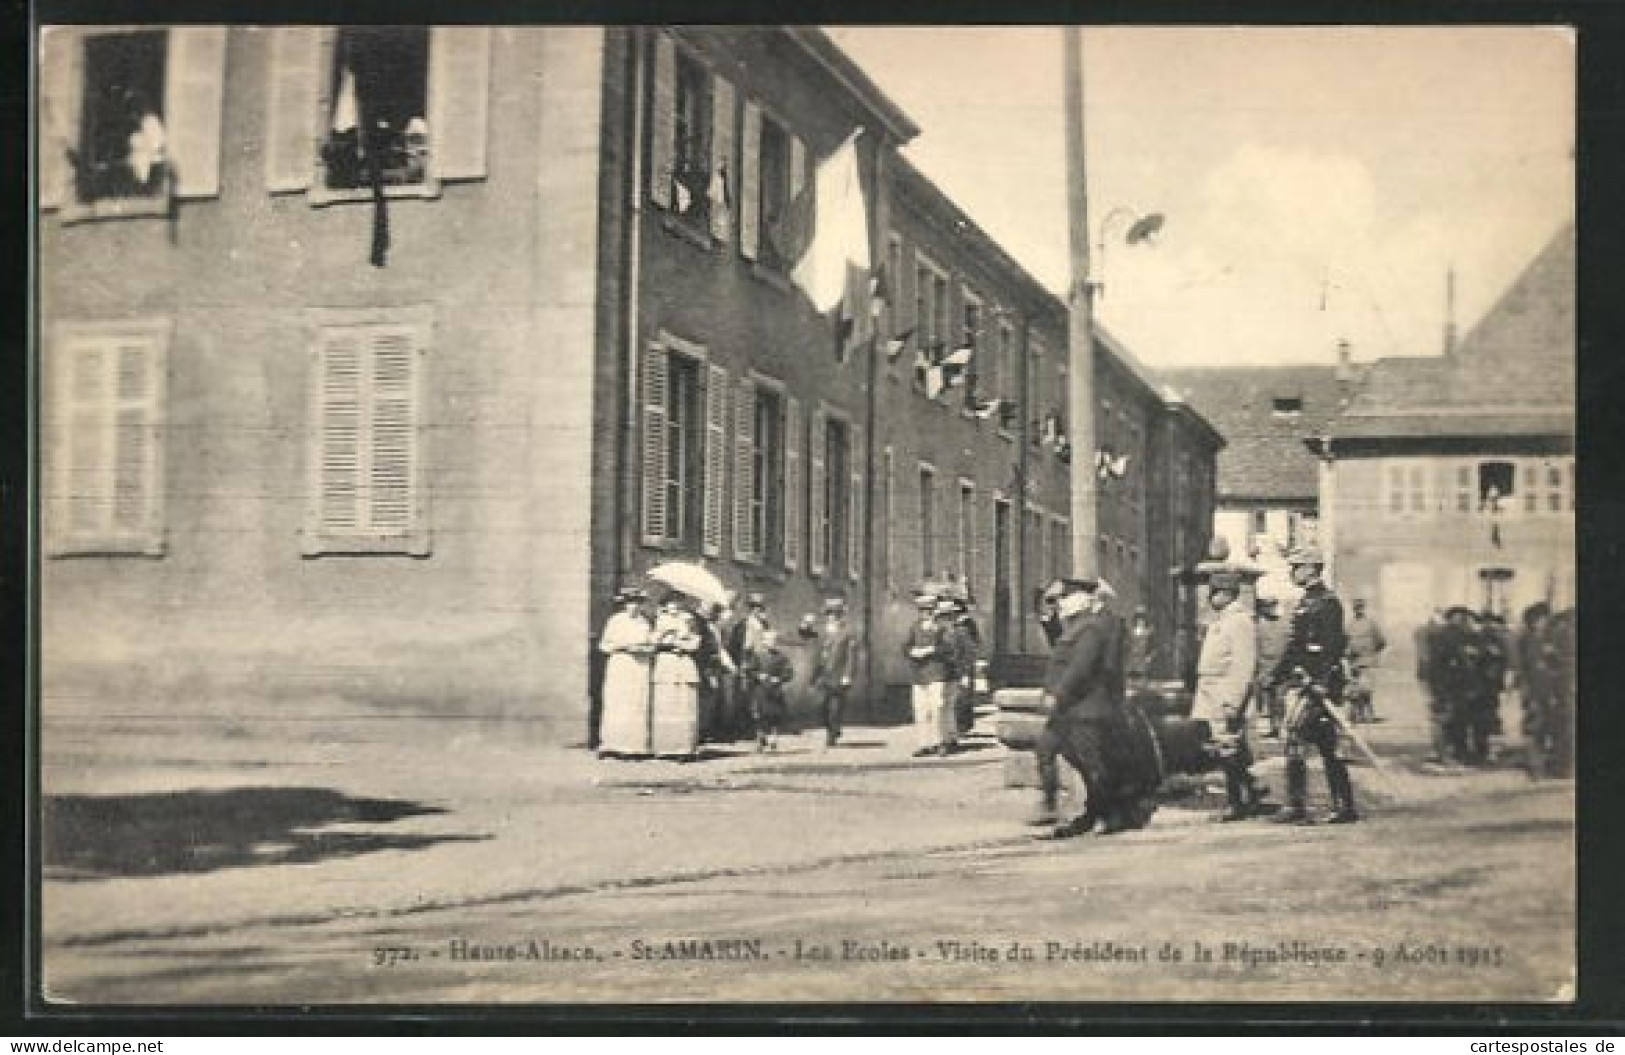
[(1345, 363)]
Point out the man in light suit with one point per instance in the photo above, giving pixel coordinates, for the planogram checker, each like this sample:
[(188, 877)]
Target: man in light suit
[(1224, 676)]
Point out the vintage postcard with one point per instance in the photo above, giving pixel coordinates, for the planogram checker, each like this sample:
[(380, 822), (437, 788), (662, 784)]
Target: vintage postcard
[(629, 514)]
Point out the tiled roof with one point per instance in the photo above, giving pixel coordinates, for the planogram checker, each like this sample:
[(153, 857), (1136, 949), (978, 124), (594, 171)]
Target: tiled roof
[(1264, 457), (1511, 375)]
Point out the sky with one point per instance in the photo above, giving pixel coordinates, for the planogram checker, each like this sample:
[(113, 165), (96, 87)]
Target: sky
[(1318, 183)]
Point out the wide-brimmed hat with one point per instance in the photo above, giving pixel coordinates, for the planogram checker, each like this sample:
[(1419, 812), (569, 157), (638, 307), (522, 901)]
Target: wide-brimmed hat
[(1227, 581)]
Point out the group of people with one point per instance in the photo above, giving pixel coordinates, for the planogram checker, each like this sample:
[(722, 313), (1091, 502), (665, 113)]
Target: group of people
[(673, 679), (1466, 659), (944, 652), (1293, 670)]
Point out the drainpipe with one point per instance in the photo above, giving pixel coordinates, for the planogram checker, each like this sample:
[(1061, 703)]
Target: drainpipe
[(626, 520), (871, 441)]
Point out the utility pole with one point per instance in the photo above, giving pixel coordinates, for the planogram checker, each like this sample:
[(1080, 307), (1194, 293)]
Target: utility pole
[(1080, 331)]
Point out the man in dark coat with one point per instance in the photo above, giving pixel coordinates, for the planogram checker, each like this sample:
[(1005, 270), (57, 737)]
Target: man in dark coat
[(1315, 646), (834, 667), (1083, 707)]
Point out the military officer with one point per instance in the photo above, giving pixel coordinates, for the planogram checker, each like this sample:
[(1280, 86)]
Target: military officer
[(1083, 708), (1315, 646)]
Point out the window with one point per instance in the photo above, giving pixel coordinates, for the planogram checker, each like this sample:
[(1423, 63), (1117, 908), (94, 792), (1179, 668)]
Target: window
[(1495, 486), (691, 169), (967, 530), (107, 406), (377, 131), (928, 522), (1260, 521), (1060, 548), (1464, 488), (784, 236), (970, 335), (1286, 406), (1009, 381), (1405, 487), (1038, 393), (684, 403), (930, 304), (888, 510), (834, 506), (129, 119), (399, 109), (1556, 486), (759, 485), (894, 275), (367, 492)]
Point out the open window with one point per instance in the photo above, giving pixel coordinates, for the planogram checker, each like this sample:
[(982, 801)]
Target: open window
[(1286, 407), (406, 108), (377, 125), (1496, 485), (129, 119)]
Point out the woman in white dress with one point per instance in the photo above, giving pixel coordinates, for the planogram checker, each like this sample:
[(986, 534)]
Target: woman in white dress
[(675, 728), (628, 644)]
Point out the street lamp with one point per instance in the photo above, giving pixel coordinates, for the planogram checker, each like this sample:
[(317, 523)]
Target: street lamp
[(1137, 229)]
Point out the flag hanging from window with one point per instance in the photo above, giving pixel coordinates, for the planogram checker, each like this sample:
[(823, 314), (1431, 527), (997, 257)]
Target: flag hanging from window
[(840, 230)]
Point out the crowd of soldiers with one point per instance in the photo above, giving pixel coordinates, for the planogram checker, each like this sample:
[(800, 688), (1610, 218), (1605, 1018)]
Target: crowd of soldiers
[(1465, 660)]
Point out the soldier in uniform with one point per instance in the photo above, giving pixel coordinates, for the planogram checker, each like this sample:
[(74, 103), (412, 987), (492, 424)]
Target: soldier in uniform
[(1315, 647), (1083, 708), (929, 654), (1455, 661)]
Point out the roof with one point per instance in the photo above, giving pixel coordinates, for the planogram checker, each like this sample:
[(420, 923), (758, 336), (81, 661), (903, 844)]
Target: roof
[(816, 43), (1264, 457), (1511, 375)]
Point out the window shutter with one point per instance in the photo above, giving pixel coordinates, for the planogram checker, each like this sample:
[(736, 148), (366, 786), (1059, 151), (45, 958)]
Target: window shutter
[(459, 100), (817, 499), (136, 440), (792, 483), (663, 122), (746, 545), (854, 529), (714, 506), (341, 424), (87, 453), (722, 156), (61, 79), (654, 445), (194, 85), (297, 74), (750, 194), (798, 166), (391, 481)]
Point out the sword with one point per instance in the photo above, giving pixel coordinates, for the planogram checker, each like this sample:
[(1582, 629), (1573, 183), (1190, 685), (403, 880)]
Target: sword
[(1343, 726)]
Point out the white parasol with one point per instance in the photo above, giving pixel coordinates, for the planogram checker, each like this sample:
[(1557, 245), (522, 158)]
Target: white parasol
[(692, 580)]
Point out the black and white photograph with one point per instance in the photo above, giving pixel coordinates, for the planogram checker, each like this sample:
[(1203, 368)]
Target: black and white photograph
[(633, 514)]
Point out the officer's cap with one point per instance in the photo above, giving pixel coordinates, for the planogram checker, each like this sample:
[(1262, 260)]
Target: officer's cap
[(628, 594), (1306, 555), (834, 604), (1076, 585), (755, 600)]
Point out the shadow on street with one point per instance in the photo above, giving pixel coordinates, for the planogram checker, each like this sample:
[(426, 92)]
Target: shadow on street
[(89, 837)]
